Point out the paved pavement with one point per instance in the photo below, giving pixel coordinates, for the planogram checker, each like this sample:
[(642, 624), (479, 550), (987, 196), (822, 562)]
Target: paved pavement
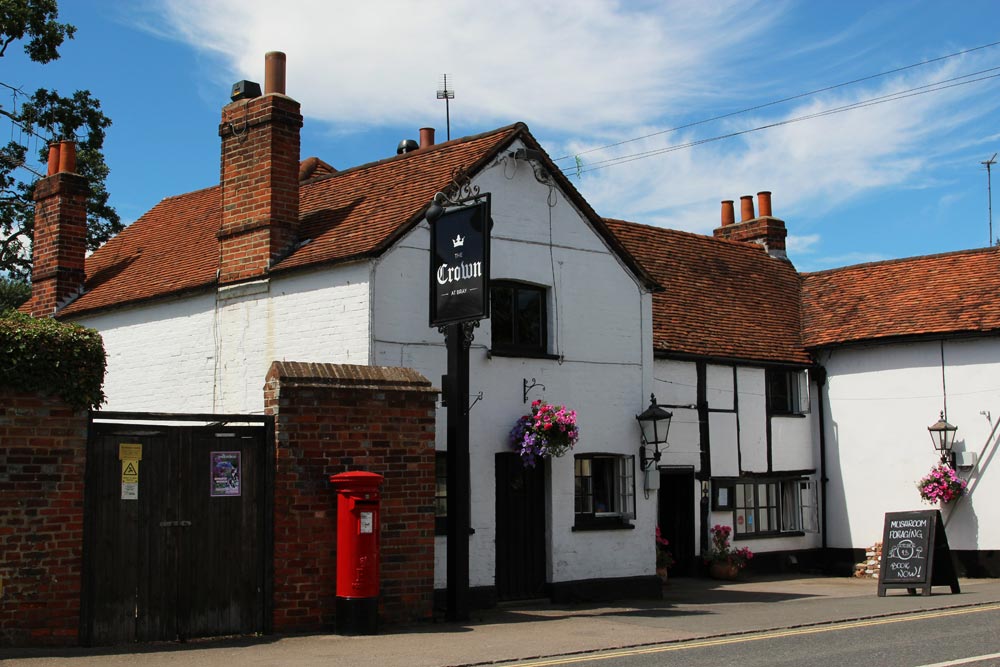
[(690, 609)]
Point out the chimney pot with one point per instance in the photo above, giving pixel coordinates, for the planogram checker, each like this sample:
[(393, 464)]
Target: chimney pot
[(274, 72), (53, 158), (764, 203), (426, 137), (67, 156), (746, 208), (728, 212)]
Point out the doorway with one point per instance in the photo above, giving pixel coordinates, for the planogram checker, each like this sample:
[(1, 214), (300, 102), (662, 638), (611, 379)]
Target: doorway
[(676, 512)]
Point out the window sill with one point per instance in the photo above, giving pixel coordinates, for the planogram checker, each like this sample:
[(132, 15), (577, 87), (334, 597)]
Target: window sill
[(767, 536), (441, 530), (609, 525), (794, 415), (524, 354)]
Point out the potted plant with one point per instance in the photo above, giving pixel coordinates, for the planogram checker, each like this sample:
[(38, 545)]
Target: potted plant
[(550, 430), (664, 559), (725, 562), (942, 484)]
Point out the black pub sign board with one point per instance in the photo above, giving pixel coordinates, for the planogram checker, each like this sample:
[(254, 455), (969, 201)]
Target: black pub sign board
[(915, 553), (460, 265)]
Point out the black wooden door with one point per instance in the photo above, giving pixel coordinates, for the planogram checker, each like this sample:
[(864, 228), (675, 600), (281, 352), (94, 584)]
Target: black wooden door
[(676, 518), (520, 525), (186, 557)]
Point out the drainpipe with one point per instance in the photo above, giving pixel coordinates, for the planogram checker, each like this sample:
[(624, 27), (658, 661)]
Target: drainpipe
[(821, 383)]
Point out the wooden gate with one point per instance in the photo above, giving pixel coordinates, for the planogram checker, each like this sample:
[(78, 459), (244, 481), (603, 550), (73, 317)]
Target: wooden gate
[(177, 535), (520, 525)]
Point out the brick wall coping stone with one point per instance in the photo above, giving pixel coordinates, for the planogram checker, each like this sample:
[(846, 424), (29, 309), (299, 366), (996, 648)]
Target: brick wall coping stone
[(305, 374)]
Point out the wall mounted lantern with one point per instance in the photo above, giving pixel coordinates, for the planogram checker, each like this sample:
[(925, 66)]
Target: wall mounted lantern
[(654, 423), (943, 437)]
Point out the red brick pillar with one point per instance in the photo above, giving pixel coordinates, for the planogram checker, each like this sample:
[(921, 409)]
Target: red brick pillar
[(332, 418), (42, 460)]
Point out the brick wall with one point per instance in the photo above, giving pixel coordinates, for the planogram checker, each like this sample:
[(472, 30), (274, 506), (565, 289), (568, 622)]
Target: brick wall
[(332, 418), (42, 460)]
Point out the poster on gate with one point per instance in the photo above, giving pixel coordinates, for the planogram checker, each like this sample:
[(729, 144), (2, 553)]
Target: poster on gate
[(226, 474)]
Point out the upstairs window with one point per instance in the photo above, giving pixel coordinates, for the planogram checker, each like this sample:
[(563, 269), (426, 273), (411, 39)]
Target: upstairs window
[(788, 391), (518, 319), (604, 490)]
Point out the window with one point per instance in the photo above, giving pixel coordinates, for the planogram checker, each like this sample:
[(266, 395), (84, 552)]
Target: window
[(440, 493), (604, 490), (788, 391), (518, 319), (773, 507)]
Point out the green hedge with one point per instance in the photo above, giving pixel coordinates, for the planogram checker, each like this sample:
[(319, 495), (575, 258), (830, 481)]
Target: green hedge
[(49, 357)]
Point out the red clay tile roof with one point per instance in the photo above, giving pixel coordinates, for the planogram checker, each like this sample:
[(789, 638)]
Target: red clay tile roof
[(725, 299), (957, 292), (345, 215)]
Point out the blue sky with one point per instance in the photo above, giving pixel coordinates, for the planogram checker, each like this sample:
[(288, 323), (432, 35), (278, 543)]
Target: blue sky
[(883, 181)]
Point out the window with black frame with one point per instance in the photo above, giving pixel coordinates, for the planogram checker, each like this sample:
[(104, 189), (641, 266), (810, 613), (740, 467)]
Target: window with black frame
[(518, 319), (440, 493), (604, 490), (788, 391)]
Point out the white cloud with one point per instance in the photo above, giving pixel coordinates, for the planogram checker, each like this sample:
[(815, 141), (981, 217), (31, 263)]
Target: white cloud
[(587, 65), (592, 72)]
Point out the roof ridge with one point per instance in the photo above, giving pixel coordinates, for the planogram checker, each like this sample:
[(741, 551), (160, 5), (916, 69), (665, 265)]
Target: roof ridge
[(519, 126), (901, 260), (683, 232)]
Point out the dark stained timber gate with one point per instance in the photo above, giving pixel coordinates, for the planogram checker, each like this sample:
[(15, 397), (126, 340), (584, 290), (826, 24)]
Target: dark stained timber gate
[(177, 536)]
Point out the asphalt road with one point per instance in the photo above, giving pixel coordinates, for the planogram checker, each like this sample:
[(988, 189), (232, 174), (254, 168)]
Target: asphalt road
[(963, 636)]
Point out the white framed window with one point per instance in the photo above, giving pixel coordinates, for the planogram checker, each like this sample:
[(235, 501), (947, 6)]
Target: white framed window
[(788, 391), (604, 491), (772, 506)]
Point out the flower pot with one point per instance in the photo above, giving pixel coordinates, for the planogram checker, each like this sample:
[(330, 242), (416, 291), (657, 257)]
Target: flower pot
[(662, 573), (724, 571)]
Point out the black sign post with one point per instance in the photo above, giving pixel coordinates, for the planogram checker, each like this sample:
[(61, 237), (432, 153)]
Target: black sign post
[(459, 298), (915, 553)]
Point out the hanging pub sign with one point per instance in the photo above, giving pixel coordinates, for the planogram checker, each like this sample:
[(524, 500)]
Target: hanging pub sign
[(460, 265)]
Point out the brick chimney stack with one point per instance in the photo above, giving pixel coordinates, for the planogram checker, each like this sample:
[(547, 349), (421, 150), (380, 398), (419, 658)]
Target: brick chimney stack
[(260, 178), (60, 241), (765, 229)]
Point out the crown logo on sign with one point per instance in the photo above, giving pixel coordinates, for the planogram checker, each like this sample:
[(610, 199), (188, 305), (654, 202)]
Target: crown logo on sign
[(458, 241)]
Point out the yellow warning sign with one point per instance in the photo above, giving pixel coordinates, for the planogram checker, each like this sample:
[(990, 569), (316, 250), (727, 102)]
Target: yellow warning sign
[(130, 451), (130, 471)]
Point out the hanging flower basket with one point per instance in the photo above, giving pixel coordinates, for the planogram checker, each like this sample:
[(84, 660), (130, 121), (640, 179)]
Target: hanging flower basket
[(549, 431), (941, 485)]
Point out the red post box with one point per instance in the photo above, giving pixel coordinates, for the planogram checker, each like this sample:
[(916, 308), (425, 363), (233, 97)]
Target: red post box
[(358, 495)]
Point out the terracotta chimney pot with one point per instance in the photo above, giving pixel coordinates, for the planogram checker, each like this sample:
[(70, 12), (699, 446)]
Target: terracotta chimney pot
[(728, 212), (426, 137), (746, 208), (764, 203), (53, 158), (274, 72), (67, 156)]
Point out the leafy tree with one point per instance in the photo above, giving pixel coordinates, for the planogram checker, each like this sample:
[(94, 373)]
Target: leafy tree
[(13, 293), (48, 115)]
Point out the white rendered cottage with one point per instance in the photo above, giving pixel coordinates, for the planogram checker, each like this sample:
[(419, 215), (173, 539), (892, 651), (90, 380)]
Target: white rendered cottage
[(301, 262)]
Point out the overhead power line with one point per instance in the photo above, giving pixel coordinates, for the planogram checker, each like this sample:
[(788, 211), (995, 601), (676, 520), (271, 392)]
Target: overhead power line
[(882, 99), (781, 101)]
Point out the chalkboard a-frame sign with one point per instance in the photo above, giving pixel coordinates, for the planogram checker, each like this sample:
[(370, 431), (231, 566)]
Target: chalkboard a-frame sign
[(915, 553)]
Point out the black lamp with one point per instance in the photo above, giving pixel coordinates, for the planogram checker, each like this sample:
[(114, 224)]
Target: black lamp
[(943, 437), (654, 422)]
